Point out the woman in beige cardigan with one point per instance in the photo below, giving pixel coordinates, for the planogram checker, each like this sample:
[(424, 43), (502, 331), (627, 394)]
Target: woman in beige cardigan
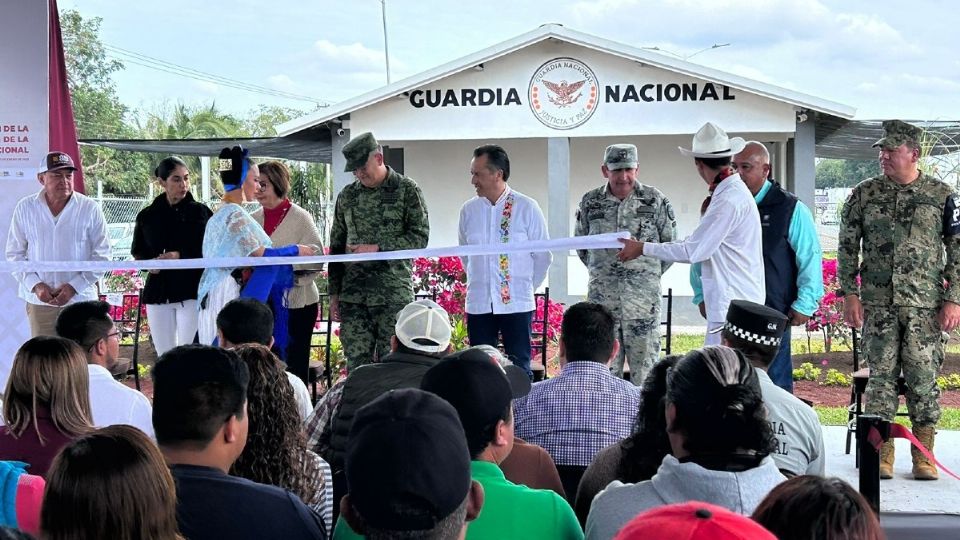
[(286, 223)]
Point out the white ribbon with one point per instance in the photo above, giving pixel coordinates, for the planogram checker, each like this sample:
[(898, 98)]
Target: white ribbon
[(596, 241)]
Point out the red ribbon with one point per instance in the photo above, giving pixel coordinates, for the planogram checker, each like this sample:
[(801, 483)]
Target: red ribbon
[(900, 431)]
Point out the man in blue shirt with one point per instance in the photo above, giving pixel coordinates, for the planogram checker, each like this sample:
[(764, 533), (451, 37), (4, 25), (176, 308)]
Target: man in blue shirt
[(792, 258), (585, 408)]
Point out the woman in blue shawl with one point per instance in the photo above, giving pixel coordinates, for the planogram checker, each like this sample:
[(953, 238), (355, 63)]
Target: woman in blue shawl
[(231, 232)]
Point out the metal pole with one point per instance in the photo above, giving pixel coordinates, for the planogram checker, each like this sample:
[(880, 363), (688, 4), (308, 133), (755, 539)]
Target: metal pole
[(870, 458), (205, 178), (386, 45)]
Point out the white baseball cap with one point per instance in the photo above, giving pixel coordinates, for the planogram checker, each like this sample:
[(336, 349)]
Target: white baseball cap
[(424, 321)]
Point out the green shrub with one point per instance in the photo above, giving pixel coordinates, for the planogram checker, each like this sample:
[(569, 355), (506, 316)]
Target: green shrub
[(806, 372), (949, 382), (836, 378)]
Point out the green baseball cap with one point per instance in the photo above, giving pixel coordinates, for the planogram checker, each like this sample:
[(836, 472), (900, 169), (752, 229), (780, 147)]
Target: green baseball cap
[(898, 132), (620, 156), (357, 151)]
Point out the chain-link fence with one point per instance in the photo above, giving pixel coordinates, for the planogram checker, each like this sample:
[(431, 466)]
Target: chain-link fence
[(121, 215)]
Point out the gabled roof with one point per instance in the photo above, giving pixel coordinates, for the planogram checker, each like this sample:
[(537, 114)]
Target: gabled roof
[(555, 31)]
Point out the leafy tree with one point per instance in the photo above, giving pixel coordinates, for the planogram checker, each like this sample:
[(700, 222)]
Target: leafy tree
[(839, 173), (97, 109)]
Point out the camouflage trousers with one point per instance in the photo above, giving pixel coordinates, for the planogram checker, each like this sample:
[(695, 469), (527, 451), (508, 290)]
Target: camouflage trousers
[(640, 344), (909, 340), (365, 331)]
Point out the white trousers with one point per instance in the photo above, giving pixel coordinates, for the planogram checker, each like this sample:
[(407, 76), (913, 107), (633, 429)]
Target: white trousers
[(712, 337), (172, 324)]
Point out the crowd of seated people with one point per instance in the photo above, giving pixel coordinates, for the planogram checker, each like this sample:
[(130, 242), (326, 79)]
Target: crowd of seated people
[(421, 445)]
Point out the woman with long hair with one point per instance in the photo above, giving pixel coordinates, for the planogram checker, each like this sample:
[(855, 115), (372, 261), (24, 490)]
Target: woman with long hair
[(720, 444), (112, 483), (276, 450), (232, 232), (287, 223), (171, 228), (808, 506), (46, 403)]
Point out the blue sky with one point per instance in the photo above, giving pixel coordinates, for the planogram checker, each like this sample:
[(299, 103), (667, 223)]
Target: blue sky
[(886, 59)]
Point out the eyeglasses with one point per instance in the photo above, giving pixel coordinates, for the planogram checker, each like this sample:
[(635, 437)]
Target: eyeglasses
[(105, 338)]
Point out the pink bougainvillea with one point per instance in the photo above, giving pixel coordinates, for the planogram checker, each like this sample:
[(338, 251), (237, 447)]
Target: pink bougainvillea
[(445, 279), (829, 316)]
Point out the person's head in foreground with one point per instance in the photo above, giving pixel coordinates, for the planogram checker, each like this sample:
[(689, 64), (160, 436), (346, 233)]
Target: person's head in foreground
[(715, 409), (408, 470), (423, 328), (482, 392), (90, 326), (49, 377), (692, 521), (200, 405), (814, 507), (245, 320), (755, 330), (587, 334), (112, 483)]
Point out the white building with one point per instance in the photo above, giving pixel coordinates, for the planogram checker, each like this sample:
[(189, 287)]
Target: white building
[(554, 98)]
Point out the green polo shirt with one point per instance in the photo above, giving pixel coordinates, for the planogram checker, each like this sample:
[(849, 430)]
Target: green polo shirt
[(510, 511)]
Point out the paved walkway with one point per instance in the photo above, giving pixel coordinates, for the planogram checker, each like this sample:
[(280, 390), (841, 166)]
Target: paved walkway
[(903, 493)]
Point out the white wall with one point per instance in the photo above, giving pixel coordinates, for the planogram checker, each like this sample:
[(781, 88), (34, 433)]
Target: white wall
[(441, 168)]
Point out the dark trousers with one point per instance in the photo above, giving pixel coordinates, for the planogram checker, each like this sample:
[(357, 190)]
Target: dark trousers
[(514, 328), (300, 325), (781, 369)]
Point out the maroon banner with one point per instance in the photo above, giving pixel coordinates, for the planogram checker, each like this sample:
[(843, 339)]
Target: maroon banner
[(63, 128)]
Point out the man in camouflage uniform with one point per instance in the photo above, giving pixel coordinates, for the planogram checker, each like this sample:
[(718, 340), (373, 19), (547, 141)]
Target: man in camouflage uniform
[(631, 289), (381, 211), (908, 223)]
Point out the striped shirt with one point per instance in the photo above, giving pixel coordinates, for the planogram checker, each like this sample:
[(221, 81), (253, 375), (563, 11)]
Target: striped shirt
[(579, 412), (79, 233)]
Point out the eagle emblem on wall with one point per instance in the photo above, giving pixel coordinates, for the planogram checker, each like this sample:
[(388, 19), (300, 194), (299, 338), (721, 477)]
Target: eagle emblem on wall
[(563, 93)]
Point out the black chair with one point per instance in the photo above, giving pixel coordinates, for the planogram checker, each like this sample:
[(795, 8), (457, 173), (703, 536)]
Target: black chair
[(570, 476), (859, 386), (324, 328), (128, 322), (538, 338)]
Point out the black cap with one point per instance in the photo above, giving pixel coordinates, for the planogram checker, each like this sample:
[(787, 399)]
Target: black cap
[(755, 323), (477, 387), (407, 463)]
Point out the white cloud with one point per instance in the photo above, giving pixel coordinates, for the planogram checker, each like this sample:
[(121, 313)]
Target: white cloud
[(351, 58), (207, 87), (282, 82)]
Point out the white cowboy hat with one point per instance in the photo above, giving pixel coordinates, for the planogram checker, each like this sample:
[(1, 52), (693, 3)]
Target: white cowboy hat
[(712, 142)]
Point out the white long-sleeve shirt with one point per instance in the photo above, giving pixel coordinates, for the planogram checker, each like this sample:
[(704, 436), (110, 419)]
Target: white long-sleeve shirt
[(480, 223), (729, 244), (115, 403), (79, 233)]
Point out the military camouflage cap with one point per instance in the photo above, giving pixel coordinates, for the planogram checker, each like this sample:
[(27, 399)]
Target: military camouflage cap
[(357, 151), (898, 132), (620, 156)]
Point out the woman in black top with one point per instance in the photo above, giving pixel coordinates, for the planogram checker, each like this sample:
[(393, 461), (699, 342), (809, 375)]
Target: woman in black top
[(171, 228)]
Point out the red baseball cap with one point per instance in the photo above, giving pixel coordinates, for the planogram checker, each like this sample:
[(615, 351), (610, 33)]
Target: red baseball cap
[(692, 521)]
